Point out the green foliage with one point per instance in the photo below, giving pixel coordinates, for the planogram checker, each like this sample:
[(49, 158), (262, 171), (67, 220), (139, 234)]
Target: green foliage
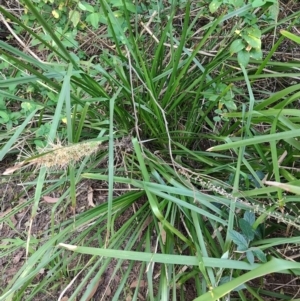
[(222, 95), (249, 46), (142, 118), (243, 241), (16, 243), (71, 18), (11, 116)]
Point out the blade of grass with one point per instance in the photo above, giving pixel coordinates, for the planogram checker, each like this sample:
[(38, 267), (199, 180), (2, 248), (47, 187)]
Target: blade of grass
[(274, 265), (111, 159), (255, 140), (28, 29), (283, 267), (42, 22), (16, 134)]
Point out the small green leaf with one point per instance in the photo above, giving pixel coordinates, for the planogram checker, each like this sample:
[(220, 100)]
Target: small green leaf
[(253, 41), (2, 105), (35, 42), (243, 58), (256, 54), (217, 119), (230, 105), (214, 5), (4, 117), (213, 97), (43, 130), (118, 14), (246, 229), (218, 111), (129, 6), (9, 125), (237, 46), (242, 248), (249, 217), (39, 143), (258, 3), (274, 10), (15, 117), (238, 239), (28, 106), (253, 31), (252, 36), (250, 257), (259, 231), (74, 16), (94, 19), (86, 6), (237, 3), (69, 39), (260, 255)]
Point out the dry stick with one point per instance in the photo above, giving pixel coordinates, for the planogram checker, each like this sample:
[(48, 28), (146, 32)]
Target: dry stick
[(2, 19), (146, 27), (136, 121), (72, 281)]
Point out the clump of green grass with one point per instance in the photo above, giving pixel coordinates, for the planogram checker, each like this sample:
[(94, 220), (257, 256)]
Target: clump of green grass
[(182, 109)]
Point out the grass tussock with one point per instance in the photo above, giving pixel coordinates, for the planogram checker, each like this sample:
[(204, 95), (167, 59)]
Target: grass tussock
[(178, 175)]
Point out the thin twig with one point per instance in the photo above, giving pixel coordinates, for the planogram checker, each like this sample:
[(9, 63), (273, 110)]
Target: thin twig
[(26, 49)]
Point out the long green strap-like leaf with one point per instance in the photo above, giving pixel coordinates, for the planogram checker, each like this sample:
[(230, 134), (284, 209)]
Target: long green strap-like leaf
[(257, 270), (274, 265), (259, 139), (15, 136)]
